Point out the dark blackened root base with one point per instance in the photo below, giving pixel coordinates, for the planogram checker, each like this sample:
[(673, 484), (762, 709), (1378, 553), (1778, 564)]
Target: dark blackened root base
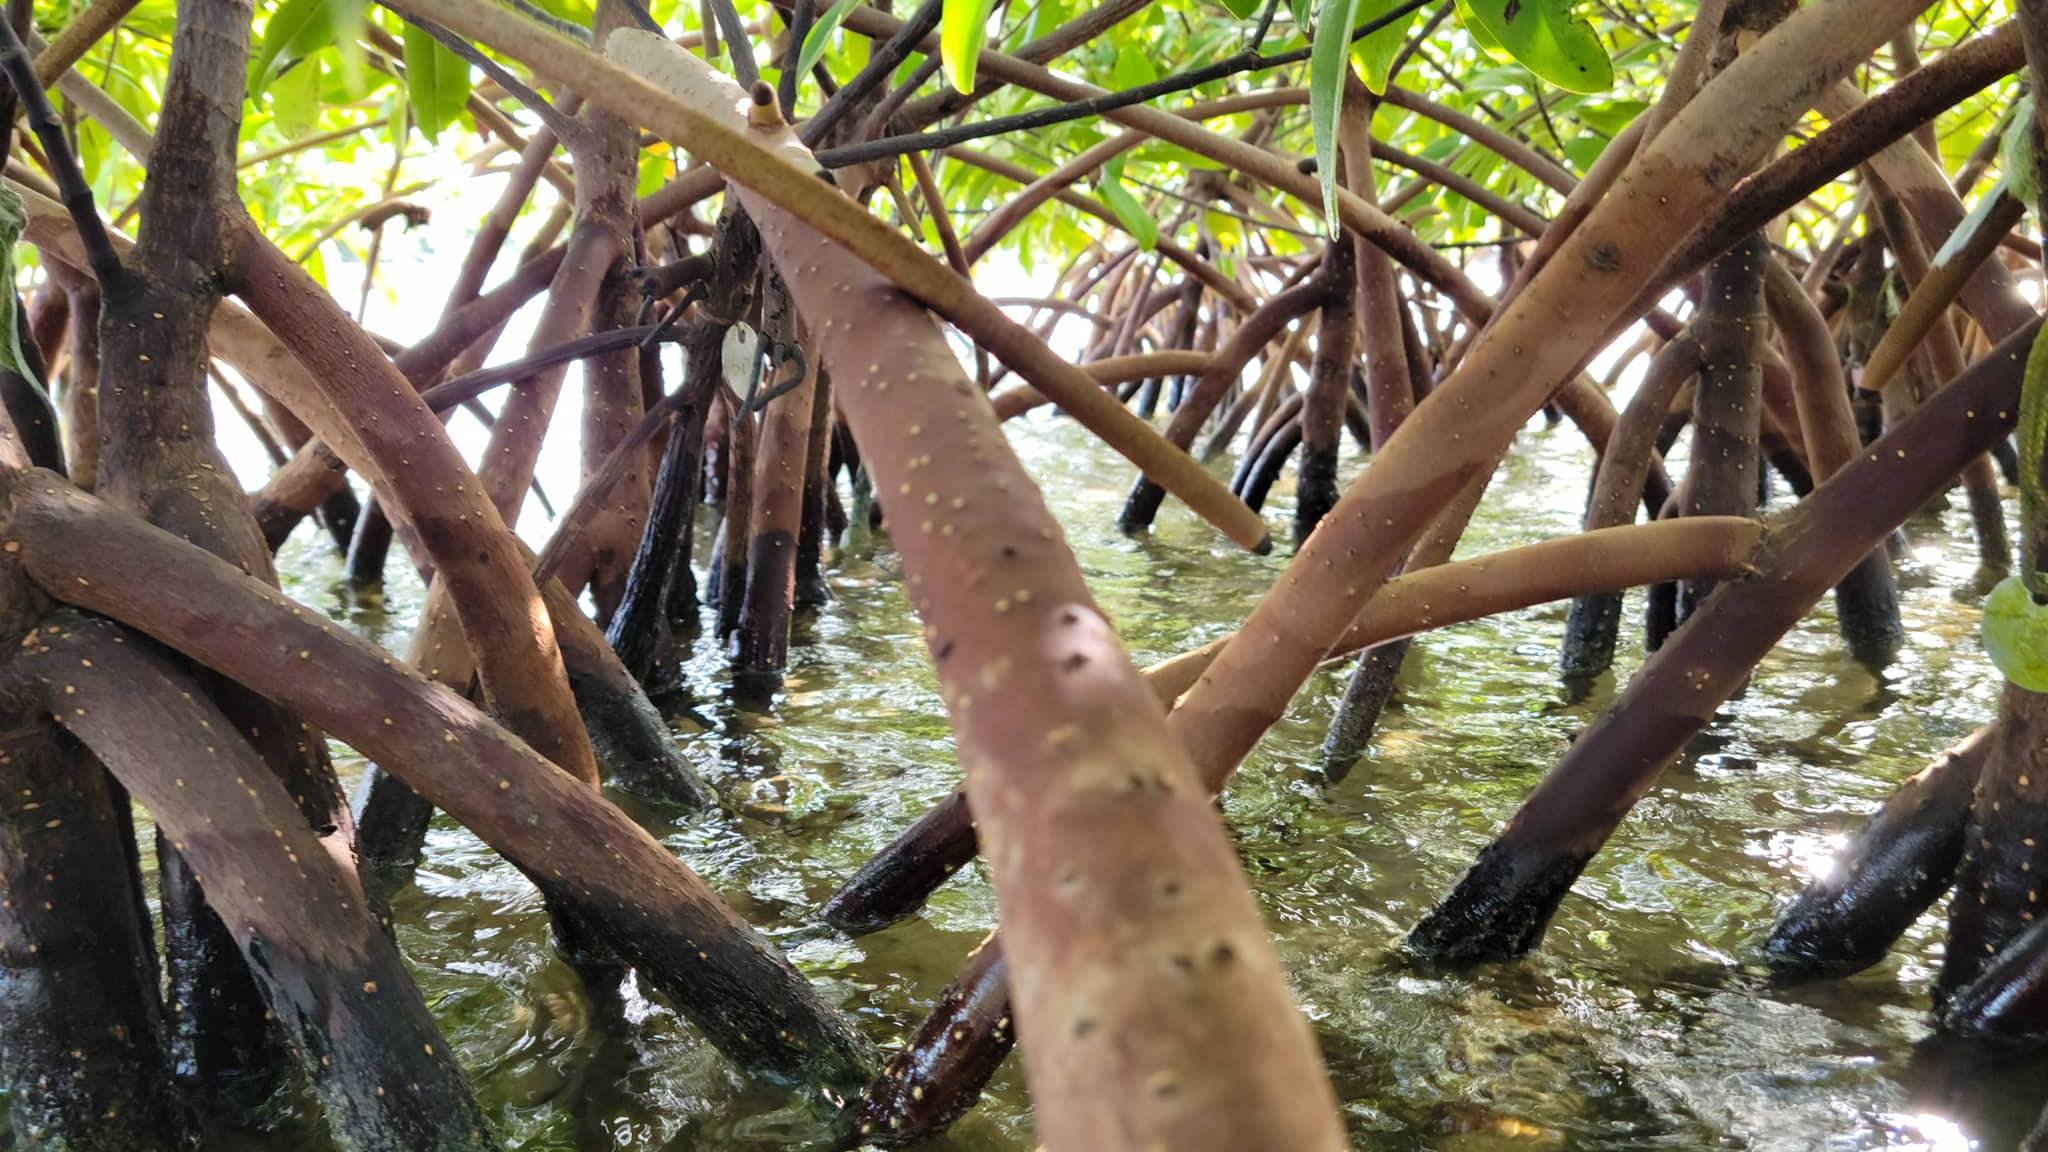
[(2009, 1001), (391, 823), (1998, 892), (1867, 609), (1500, 909), (584, 950), (760, 644), (812, 590), (1148, 399), (1358, 714), (940, 1074), (76, 1077), (1987, 517), (634, 745), (339, 514), (1894, 868), (1592, 628), (892, 887), (754, 689), (35, 418), (2007, 458), (369, 546), (731, 983), (1259, 482), (222, 1048), (732, 596), (715, 571), (372, 1053), (1660, 615), (81, 1032), (1141, 507), (2005, 848), (659, 582), (1316, 490)]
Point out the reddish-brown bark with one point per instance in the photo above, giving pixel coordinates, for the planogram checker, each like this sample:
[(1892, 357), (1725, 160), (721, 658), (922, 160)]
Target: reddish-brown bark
[(1329, 389), (1892, 869), (158, 459), (1108, 864), (1998, 887), (821, 496), (1593, 626), (1986, 293), (81, 1026), (332, 981), (780, 478), (411, 460), (1535, 343), (1867, 601), (581, 851), (1503, 904), (729, 558), (1850, 140), (1727, 413)]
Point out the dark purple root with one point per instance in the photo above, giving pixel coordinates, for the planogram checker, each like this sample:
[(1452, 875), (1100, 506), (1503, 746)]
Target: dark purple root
[(940, 1074), (892, 887), (1895, 867)]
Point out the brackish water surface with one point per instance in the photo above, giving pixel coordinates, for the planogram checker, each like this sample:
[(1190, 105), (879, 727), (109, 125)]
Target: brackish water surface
[(1643, 1023)]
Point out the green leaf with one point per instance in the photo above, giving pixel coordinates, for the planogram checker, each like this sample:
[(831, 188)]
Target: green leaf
[(905, 70), (2016, 153), (436, 79), (1228, 230), (653, 171), (1375, 53), (1480, 33), (1159, 153), (963, 29), (2015, 631), (295, 100), (1327, 61), (301, 28), (821, 35), (1243, 9), (292, 20), (343, 79), (1133, 68), (92, 151), (1547, 39), (1610, 117), (1583, 149), (1135, 219)]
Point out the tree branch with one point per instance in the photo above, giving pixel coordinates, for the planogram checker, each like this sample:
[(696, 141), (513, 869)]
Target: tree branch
[(74, 191)]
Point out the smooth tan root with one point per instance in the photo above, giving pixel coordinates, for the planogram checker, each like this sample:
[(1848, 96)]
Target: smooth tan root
[(1606, 560)]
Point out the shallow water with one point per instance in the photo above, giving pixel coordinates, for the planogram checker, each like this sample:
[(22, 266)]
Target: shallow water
[(1641, 1024)]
